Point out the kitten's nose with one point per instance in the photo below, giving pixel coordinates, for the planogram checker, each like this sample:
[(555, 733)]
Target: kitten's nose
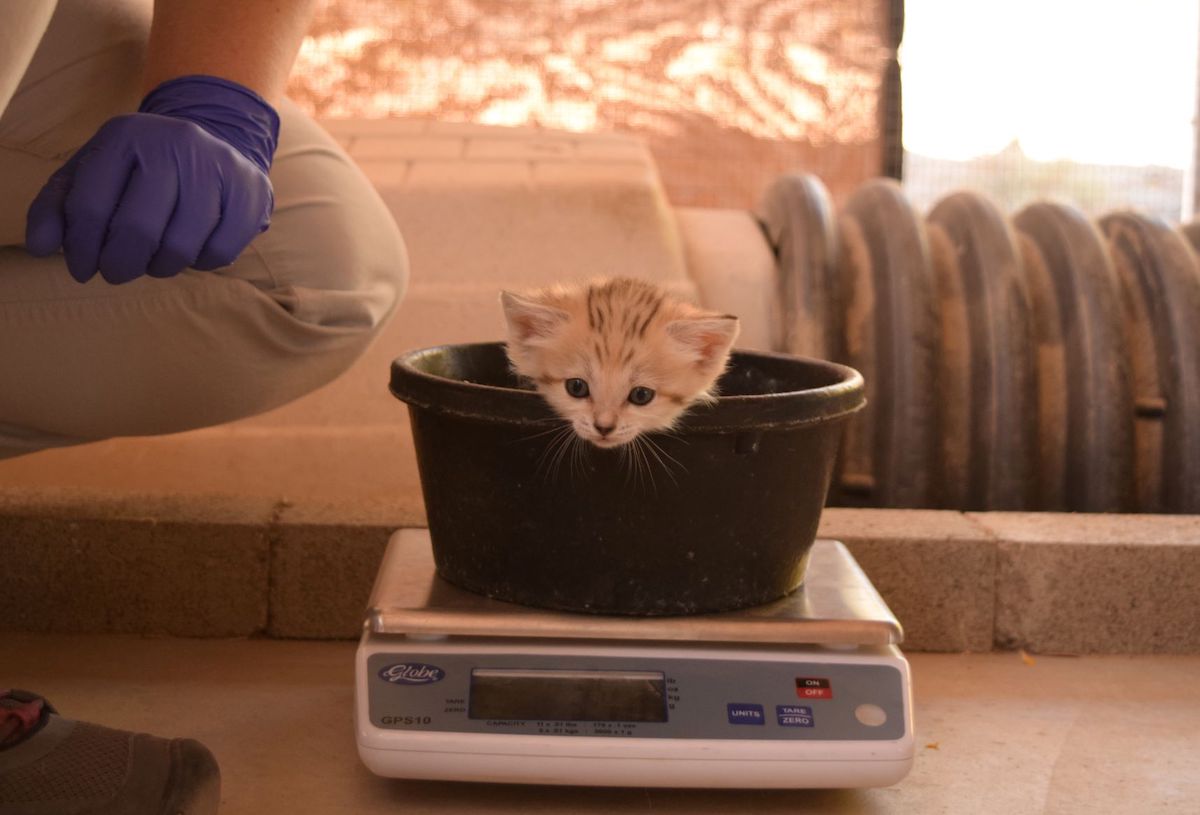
[(603, 429)]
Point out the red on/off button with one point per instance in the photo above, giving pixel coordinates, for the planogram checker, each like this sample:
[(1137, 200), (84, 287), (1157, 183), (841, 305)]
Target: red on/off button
[(811, 687)]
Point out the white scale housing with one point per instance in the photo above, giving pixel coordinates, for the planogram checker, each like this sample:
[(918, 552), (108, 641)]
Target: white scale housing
[(809, 691)]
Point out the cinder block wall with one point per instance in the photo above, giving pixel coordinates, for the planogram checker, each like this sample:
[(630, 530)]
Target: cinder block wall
[(221, 566)]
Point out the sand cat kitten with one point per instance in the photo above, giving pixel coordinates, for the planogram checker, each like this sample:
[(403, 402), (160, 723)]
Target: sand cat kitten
[(616, 358)]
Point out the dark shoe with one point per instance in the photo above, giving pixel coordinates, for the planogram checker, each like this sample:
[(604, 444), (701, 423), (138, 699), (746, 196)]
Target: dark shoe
[(54, 766)]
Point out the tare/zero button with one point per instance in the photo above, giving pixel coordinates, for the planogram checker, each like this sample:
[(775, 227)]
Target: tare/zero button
[(794, 715), (812, 687)]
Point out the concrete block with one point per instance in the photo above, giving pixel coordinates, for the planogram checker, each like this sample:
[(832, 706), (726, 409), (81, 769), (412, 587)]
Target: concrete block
[(492, 225), (386, 173), (287, 462), (934, 569), (613, 148), (469, 129), (443, 175), (150, 506), (734, 269), (607, 175), (539, 147), (1096, 583), (407, 148), (324, 558), (370, 128), (175, 565)]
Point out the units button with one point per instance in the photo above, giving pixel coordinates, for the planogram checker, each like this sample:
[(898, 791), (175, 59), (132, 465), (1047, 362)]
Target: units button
[(740, 713)]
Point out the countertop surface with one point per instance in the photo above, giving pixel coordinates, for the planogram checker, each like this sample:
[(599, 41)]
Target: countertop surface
[(1003, 733)]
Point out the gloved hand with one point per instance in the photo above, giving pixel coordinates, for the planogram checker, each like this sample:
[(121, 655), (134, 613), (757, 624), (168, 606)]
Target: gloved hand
[(182, 182)]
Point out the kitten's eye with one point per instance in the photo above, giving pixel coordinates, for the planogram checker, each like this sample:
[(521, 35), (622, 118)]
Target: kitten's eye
[(641, 396), (577, 388)]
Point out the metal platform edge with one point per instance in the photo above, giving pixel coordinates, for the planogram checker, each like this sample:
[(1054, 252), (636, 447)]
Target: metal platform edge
[(407, 581)]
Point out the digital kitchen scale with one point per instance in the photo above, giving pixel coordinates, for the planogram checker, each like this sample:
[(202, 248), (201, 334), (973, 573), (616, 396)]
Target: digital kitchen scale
[(808, 691)]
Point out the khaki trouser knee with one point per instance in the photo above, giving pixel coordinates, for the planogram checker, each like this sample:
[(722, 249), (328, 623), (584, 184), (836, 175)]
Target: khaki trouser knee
[(91, 361)]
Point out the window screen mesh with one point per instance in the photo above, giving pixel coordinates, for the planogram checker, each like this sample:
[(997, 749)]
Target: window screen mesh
[(728, 95)]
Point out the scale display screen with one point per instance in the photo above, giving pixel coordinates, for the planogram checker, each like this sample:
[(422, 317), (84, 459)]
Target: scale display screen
[(568, 695)]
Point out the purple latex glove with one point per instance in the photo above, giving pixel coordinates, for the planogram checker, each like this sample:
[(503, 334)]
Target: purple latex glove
[(182, 182)]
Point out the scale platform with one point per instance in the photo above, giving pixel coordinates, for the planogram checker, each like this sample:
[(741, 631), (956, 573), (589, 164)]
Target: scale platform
[(807, 691)]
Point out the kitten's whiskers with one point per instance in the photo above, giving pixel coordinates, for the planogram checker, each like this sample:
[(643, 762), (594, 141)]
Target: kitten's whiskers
[(551, 457), (660, 453), (640, 464), (662, 456), (674, 432), (579, 453), (557, 423)]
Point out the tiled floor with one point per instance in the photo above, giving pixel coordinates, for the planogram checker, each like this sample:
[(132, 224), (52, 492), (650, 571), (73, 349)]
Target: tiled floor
[(997, 733)]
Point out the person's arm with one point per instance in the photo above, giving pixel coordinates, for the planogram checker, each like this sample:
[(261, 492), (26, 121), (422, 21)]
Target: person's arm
[(251, 42), (183, 182)]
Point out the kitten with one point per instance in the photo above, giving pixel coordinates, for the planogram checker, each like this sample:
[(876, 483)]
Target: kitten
[(617, 358)]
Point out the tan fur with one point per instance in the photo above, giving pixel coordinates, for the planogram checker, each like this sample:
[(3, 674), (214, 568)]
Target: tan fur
[(616, 335)]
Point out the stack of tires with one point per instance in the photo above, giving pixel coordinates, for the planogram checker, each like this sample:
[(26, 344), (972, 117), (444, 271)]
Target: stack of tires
[(1038, 361)]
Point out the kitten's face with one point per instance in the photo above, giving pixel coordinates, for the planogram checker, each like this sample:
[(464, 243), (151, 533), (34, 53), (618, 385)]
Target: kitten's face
[(616, 359)]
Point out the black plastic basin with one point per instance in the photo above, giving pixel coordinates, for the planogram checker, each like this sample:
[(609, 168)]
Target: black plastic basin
[(724, 518)]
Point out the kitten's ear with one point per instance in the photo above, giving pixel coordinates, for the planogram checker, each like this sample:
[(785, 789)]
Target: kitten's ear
[(529, 320), (706, 340)]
